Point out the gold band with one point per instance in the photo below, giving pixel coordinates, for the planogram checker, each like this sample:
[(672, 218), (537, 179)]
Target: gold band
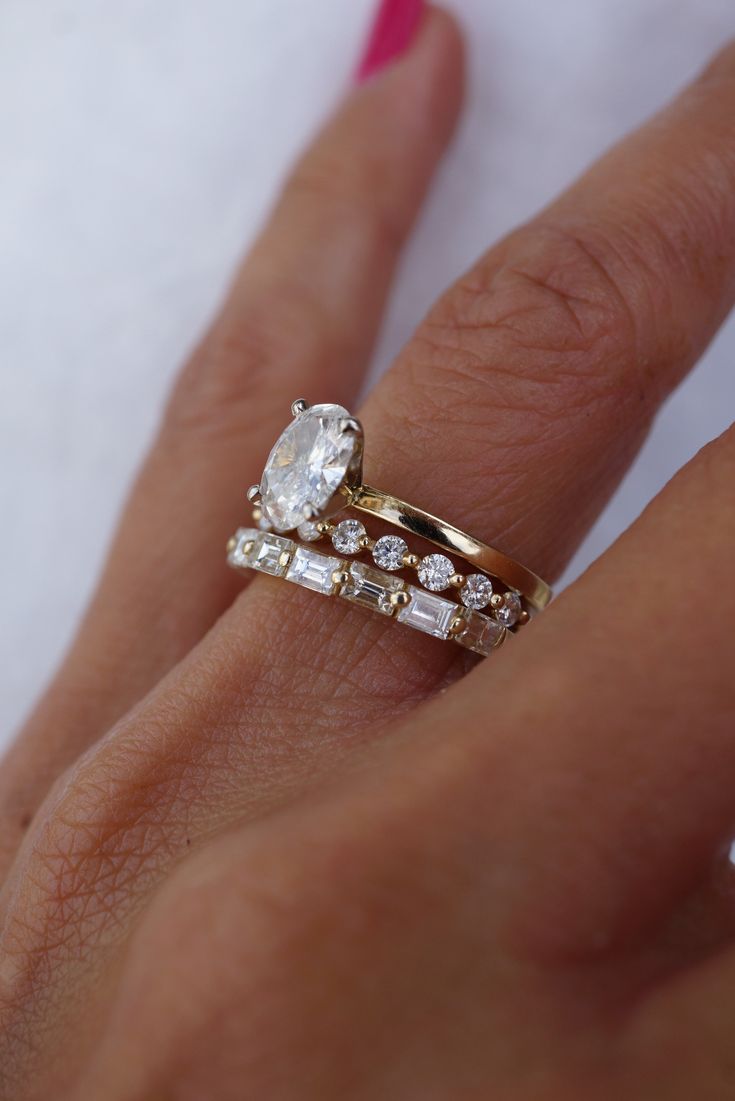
[(390, 596), (431, 528)]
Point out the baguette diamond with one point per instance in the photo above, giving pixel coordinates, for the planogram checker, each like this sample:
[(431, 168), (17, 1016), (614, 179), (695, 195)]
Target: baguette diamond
[(480, 633), (432, 614), (239, 556), (268, 553), (371, 588), (313, 570)]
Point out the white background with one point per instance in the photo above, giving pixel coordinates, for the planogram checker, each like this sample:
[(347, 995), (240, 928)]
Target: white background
[(140, 145)]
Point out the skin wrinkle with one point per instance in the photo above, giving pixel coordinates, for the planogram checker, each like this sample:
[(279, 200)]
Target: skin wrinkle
[(201, 741)]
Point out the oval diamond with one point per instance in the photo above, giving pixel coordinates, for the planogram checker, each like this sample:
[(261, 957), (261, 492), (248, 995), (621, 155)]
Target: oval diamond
[(307, 466)]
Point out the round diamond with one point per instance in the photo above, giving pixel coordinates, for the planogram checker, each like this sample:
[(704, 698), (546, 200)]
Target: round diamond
[(347, 535), (309, 464), (435, 571), (509, 610), (476, 591), (388, 552), (308, 531)]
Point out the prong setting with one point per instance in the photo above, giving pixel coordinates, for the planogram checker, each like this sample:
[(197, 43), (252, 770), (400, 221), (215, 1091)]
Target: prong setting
[(400, 599), (299, 406)]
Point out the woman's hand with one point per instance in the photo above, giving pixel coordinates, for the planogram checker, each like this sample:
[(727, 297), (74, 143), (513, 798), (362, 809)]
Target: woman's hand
[(264, 857)]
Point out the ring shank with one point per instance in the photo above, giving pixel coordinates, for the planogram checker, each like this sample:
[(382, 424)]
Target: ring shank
[(484, 557)]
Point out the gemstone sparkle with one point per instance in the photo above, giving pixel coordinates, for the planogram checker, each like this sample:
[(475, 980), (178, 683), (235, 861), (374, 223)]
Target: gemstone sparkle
[(308, 531), (371, 588), (347, 535), (388, 552), (313, 570), (267, 553), (510, 610), (480, 633), (308, 465), (435, 571), (476, 591), (432, 614), (245, 537)]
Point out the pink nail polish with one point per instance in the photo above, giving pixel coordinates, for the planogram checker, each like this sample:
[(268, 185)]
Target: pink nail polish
[(392, 33)]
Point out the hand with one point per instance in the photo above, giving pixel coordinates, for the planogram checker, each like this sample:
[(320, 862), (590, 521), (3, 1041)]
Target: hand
[(264, 856)]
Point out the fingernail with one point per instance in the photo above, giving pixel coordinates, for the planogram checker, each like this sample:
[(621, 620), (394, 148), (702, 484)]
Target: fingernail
[(391, 34)]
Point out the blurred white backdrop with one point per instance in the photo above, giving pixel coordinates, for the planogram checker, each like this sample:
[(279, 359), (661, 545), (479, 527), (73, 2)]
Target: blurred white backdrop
[(141, 145)]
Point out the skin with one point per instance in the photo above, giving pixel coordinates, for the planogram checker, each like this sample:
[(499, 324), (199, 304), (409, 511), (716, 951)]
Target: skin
[(238, 866)]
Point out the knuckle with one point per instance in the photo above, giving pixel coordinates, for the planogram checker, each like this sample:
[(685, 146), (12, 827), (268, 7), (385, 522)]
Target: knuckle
[(541, 332), (548, 310)]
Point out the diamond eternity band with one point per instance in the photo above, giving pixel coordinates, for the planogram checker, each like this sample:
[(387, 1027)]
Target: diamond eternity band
[(435, 572), (382, 592)]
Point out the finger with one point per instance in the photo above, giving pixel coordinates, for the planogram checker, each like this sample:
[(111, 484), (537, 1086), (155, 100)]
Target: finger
[(552, 844), (525, 394), (301, 316), (195, 756), (609, 770), (595, 349), (634, 780)]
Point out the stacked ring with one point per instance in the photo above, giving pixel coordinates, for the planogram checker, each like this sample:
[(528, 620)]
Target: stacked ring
[(313, 473), (372, 588)]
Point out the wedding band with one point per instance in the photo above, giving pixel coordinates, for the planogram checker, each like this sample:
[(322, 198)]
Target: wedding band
[(314, 471), (371, 588)]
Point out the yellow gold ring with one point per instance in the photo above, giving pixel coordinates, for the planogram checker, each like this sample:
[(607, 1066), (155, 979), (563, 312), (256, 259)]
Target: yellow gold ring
[(314, 471)]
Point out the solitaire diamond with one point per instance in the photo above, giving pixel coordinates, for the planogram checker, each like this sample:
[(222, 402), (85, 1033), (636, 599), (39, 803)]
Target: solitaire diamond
[(313, 570), (476, 591), (388, 552), (432, 614), (347, 535), (309, 465), (435, 571), (510, 610)]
